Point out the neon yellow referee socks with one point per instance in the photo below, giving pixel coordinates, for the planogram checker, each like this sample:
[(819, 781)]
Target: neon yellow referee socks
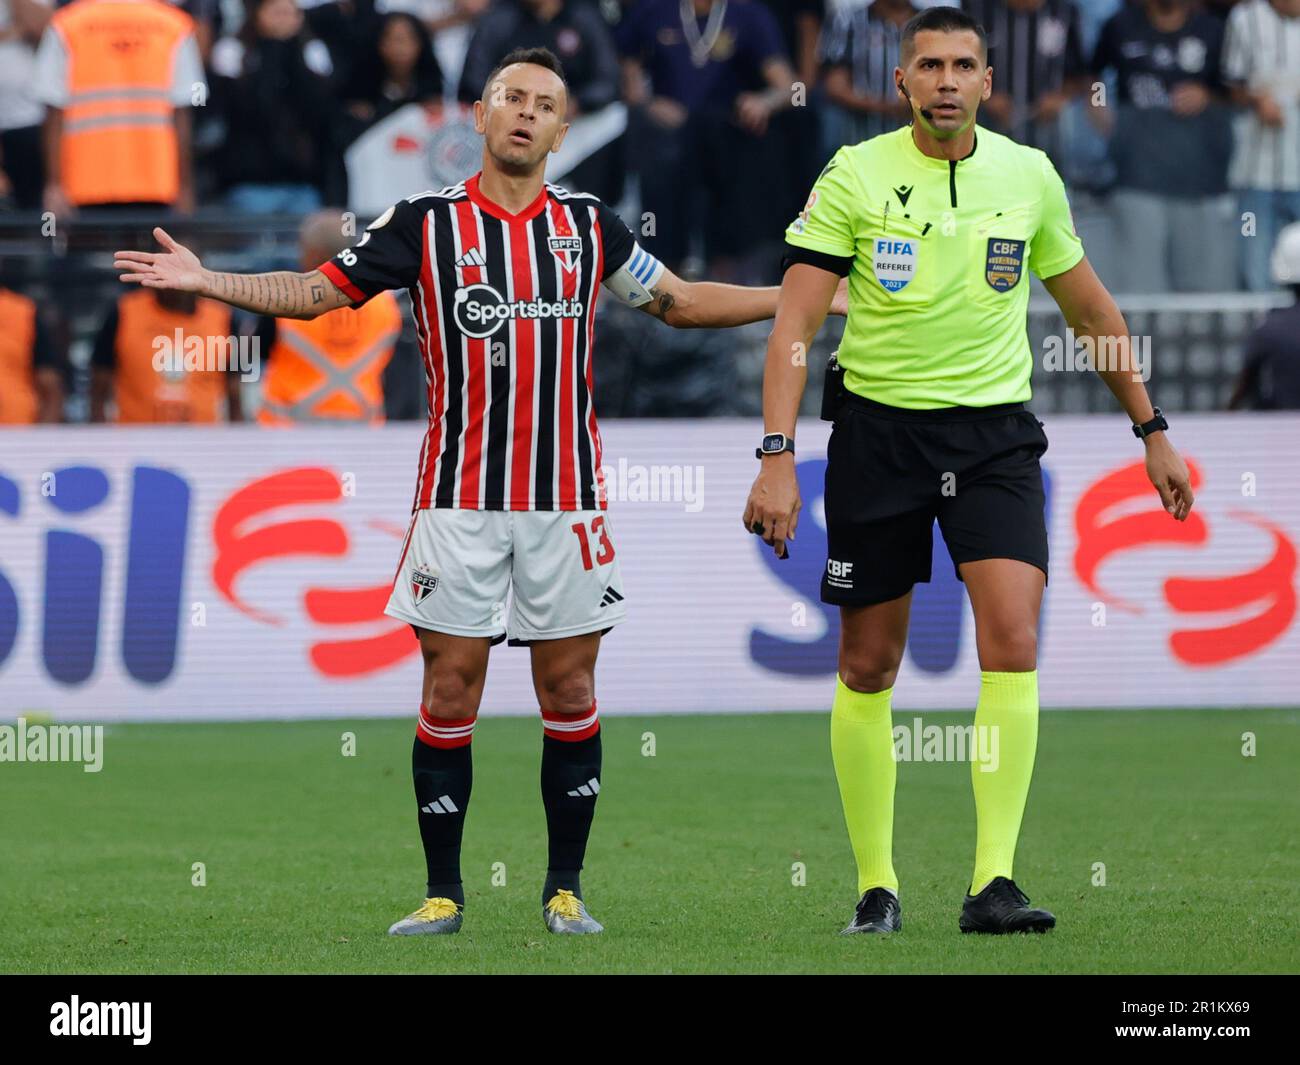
[(862, 748), (1008, 705)]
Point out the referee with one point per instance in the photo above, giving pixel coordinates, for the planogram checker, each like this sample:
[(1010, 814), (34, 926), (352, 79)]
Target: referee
[(934, 225)]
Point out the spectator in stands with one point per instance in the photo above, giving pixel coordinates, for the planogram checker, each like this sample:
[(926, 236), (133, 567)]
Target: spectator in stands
[(1170, 144), (1036, 52), (450, 23), (575, 31), (117, 121), (1261, 62), (397, 67), (31, 375), (1093, 14), (22, 175), (329, 369), (1270, 378), (860, 51), (792, 147), (208, 21), (341, 26), (1220, 9), (139, 360), (703, 80), (800, 24), (271, 87)]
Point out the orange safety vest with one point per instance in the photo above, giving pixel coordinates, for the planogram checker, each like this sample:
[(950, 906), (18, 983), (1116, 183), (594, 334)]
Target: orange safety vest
[(147, 338), (331, 368), (119, 129), (17, 349)]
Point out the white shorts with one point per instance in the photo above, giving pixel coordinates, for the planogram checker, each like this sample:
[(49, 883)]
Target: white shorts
[(457, 567)]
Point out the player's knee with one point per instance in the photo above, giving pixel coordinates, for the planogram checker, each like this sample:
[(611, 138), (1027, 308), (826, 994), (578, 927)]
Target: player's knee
[(869, 671), (568, 692), (454, 693)]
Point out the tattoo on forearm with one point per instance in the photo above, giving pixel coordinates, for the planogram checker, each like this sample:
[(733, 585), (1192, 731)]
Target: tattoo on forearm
[(663, 304), (282, 293)]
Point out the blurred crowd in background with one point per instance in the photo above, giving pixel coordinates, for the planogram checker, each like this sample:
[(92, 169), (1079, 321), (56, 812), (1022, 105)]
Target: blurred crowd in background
[(1176, 125)]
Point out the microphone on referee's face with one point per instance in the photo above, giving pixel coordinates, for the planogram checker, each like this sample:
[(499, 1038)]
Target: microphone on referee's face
[(926, 113)]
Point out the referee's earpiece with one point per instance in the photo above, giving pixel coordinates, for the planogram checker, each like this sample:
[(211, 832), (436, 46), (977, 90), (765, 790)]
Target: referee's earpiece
[(902, 87)]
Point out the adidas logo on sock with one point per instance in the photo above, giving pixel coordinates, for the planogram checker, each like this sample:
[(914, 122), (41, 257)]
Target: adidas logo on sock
[(473, 257), (610, 597), (588, 789), (443, 805)]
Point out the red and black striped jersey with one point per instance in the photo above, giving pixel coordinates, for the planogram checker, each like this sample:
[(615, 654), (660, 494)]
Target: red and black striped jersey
[(504, 307)]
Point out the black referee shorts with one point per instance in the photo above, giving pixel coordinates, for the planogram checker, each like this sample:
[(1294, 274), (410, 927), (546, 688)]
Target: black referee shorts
[(891, 472)]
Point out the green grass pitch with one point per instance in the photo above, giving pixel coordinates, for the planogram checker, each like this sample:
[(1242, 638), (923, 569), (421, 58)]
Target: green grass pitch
[(309, 855)]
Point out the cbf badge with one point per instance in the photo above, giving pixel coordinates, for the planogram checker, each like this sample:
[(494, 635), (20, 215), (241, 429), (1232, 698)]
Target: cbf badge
[(894, 262), (423, 582), (1005, 260)]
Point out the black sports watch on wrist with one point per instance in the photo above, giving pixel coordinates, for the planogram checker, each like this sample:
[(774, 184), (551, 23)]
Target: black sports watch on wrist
[(774, 444), (1153, 426)]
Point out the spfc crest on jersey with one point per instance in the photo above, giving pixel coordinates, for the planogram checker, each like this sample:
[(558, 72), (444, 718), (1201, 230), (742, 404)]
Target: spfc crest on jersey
[(1004, 262), (894, 260), (567, 249), (423, 583)]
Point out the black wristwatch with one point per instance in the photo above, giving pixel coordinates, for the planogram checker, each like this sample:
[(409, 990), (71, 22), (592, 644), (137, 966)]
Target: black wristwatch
[(1153, 426), (774, 444)]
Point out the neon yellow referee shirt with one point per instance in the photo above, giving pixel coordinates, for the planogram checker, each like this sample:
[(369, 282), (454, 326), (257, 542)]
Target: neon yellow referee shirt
[(936, 252)]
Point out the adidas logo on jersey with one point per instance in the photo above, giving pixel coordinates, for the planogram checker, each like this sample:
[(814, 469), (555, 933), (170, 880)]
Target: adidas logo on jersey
[(588, 789), (473, 257), (443, 805), (610, 598)]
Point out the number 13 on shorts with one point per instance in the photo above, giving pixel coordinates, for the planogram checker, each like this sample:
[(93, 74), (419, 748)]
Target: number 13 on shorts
[(599, 536), (566, 575)]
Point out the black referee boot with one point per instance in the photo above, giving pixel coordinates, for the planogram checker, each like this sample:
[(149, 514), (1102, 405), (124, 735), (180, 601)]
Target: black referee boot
[(878, 911), (1001, 908)]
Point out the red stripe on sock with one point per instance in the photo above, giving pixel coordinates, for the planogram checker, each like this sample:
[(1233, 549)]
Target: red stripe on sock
[(428, 728), (569, 735)]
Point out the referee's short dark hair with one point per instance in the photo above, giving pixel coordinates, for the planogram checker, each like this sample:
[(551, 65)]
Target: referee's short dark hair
[(944, 20), (541, 57)]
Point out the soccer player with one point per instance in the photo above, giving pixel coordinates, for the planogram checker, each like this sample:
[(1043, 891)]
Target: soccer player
[(503, 272), (935, 224)]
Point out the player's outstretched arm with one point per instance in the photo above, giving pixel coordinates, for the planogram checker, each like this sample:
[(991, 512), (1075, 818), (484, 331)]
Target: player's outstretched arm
[(713, 305), (807, 292), (282, 294), (1090, 311)]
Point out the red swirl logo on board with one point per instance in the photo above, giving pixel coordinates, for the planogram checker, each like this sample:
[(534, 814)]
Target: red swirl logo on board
[(247, 532), (1265, 594)]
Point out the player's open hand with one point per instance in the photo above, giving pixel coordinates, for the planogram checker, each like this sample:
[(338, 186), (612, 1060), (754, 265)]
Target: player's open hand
[(1168, 472), (772, 511), (177, 268)]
